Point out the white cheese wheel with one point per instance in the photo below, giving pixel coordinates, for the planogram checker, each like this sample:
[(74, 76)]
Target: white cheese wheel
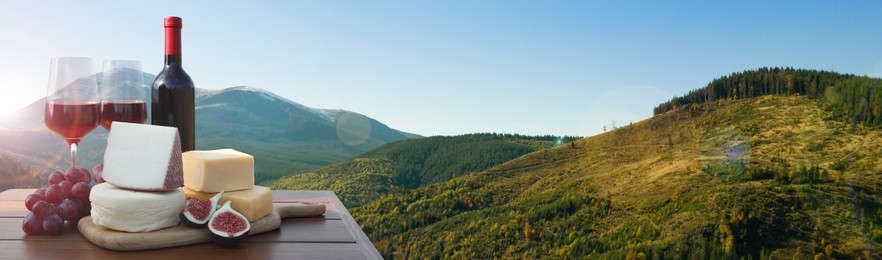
[(135, 211)]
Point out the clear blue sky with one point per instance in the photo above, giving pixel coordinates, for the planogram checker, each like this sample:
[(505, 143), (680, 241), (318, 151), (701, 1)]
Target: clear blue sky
[(451, 67)]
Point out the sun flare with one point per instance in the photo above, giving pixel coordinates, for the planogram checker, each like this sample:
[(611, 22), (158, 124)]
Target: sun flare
[(9, 104)]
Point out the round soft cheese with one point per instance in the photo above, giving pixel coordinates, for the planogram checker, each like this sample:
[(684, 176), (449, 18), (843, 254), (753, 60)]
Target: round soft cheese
[(135, 211)]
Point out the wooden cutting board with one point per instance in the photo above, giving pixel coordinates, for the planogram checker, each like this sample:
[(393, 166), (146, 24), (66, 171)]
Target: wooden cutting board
[(182, 235)]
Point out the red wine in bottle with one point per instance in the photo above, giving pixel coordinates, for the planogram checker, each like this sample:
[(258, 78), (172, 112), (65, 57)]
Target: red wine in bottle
[(173, 90)]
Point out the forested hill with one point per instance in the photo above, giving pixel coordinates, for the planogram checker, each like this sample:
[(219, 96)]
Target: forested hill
[(759, 178), (408, 164), (848, 97), (428, 160), (15, 175)]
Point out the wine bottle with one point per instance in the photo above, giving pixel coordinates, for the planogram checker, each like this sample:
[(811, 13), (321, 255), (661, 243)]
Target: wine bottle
[(173, 90)]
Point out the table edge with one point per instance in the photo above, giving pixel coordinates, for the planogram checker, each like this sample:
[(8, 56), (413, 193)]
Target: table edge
[(361, 238)]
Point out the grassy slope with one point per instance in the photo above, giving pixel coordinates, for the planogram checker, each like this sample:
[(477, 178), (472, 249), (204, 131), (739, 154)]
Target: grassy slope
[(670, 186), (403, 165)]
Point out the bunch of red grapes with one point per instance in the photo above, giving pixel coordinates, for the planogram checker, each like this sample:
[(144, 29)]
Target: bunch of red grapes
[(65, 199)]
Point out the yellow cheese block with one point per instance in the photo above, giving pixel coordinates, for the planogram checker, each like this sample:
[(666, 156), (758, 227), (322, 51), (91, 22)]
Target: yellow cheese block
[(254, 203), (218, 170)]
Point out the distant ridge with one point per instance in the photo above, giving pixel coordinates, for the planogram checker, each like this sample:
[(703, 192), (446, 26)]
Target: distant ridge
[(285, 136)]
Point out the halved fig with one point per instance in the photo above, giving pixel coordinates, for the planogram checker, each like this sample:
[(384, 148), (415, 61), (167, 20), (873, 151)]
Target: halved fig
[(197, 212), (228, 227)]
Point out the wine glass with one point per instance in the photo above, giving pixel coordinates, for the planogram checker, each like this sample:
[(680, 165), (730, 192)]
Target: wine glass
[(72, 100), (123, 93)]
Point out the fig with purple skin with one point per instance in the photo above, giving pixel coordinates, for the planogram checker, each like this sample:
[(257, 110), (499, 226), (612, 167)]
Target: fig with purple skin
[(228, 227), (197, 212)]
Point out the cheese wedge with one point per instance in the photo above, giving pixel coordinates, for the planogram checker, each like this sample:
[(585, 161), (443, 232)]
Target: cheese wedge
[(254, 203), (218, 170), (135, 211), (143, 157)]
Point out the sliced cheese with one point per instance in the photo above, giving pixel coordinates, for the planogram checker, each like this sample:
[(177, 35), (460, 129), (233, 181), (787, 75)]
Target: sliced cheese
[(143, 157), (254, 203), (218, 170), (135, 211)]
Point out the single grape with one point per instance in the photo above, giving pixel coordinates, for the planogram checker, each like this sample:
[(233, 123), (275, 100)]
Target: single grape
[(80, 190), (68, 210), (74, 175), (55, 177), (66, 186), (54, 193), (32, 199), (32, 225), (41, 191), (82, 207), (42, 209), (85, 207), (87, 177), (96, 173), (98, 168), (53, 224), (98, 178), (79, 202)]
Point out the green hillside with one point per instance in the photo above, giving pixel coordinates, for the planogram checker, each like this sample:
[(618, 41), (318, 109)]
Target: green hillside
[(14, 175), (408, 164), (769, 176)]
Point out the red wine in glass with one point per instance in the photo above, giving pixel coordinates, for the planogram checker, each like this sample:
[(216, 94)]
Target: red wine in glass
[(72, 120), (123, 93), (130, 111), (72, 100)]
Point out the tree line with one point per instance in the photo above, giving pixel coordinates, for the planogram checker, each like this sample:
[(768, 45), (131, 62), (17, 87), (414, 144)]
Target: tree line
[(848, 97)]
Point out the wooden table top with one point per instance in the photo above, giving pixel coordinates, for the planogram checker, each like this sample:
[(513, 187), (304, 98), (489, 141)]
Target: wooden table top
[(335, 235)]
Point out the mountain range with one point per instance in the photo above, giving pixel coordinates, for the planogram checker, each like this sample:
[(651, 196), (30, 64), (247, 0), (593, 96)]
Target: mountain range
[(284, 136)]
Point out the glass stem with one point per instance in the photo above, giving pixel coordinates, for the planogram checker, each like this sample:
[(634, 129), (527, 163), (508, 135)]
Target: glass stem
[(73, 155)]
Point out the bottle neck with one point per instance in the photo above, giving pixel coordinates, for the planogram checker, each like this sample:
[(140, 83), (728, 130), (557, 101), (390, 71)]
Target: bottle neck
[(172, 45), (172, 59)]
